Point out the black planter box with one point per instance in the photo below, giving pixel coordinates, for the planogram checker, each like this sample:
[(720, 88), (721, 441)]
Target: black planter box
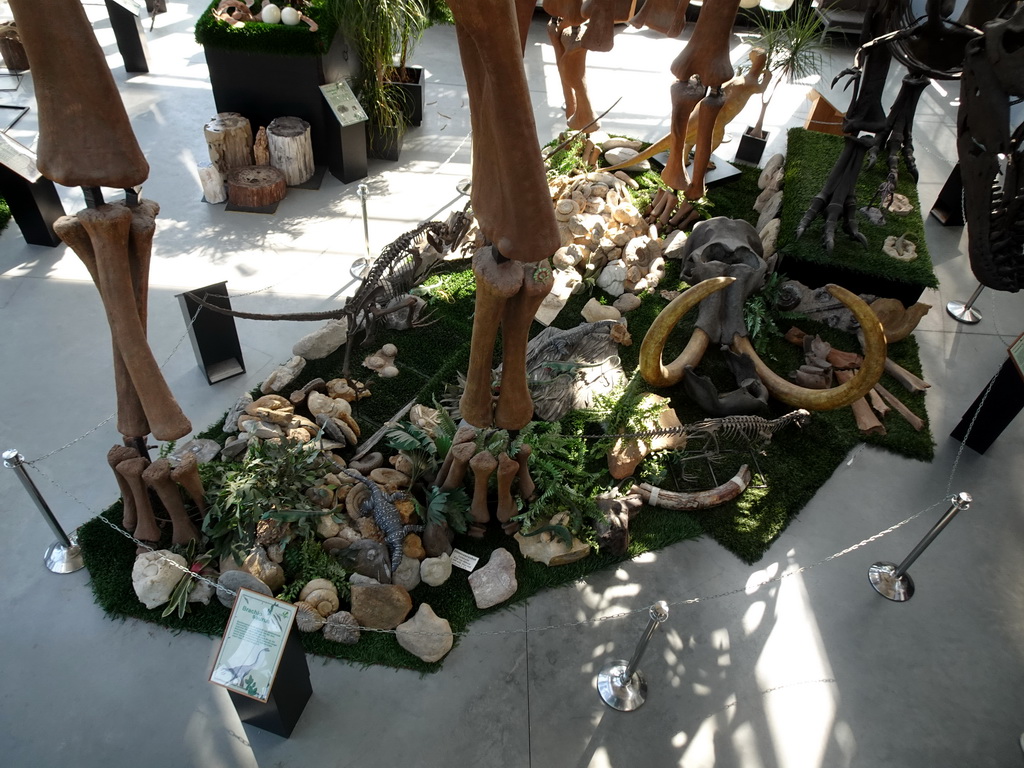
[(264, 86), (384, 143), (412, 95), (751, 149)]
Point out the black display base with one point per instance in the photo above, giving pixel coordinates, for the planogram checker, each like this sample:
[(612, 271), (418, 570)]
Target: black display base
[(1004, 402), (213, 335), (815, 275), (130, 37), (34, 206), (288, 696), (412, 95), (264, 86), (949, 208), (750, 149), (314, 181), (268, 209)]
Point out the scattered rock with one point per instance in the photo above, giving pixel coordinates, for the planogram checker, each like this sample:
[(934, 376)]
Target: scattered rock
[(549, 548), (672, 247), (231, 420), (426, 635), (612, 279), (771, 168), (380, 607), (436, 570), (368, 463), (265, 569), (495, 582), (770, 211), (323, 341), (623, 154), (594, 311), (204, 450), (900, 205), (407, 574), (412, 547), (154, 576), (342, 627), (231, 581), (283, 376), (770, 238), (437, 540), (899, 248), (367, 557)]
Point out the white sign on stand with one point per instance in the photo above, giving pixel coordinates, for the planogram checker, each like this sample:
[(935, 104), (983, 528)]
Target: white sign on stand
[(18, 158), (344, 105), (253, 641)]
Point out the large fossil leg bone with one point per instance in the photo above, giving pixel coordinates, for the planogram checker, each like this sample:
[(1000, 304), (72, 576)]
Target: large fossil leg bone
[(115, 456), (131, 470), (572, 70), (158, 477), (515, 405), (109, 229)]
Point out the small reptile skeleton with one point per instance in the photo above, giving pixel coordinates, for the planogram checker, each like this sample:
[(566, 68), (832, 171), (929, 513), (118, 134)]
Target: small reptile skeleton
[(385, 515), (384, 290)]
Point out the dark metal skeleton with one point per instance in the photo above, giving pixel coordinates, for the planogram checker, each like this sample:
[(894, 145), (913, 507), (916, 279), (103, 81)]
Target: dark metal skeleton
[(982, 47), (384, 290)]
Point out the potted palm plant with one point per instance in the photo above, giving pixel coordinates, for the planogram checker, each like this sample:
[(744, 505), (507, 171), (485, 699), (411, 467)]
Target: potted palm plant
[(409, 78), (793, 42)]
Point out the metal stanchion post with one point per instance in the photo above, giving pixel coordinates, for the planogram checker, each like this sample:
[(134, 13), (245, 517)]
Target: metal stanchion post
[(63, 556), (621, 685), (964, 312), (362, 265), (893, 581)]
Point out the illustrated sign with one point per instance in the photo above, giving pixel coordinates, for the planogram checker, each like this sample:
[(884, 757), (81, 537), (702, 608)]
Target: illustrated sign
[(343, 103), (252, 645), (18, 158), (1017, 354), (130, 5)]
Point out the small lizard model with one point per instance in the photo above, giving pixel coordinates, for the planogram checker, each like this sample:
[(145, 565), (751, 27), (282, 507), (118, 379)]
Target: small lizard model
[(385, 515)]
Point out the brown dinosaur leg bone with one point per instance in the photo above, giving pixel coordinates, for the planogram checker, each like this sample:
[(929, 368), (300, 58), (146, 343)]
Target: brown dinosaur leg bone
[(572, 67), (461, 454), (527, 488), (685, 96), (131, 470), (710, 107), (508, 468), (555, 37), (515, 405), (108, 227), (483, 466), (115, 456), (912, 418), (496, 283), (867, 422), (877, 402), (158, 477), (462, 435), (186, 474), (131, 419)]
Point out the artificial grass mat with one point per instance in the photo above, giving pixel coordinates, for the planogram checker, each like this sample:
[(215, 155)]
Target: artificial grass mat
[(793, 467)]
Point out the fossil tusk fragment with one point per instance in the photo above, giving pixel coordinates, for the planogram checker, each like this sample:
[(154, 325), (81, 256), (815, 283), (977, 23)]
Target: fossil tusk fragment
[(730, 489)]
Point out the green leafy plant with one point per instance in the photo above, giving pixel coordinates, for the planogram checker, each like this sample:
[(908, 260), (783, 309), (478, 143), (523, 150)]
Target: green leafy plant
[(451, 507), (761, 314), (793, 44), (178, 602), (269, 485), (306, 561)]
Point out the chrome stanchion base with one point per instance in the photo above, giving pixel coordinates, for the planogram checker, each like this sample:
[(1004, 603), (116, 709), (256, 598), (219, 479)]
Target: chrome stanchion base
[(61, 559), (883, 578), (623, 696), (963, 313)]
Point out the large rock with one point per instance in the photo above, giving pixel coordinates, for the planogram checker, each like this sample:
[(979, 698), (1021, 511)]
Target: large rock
[(549, 548), (619, 155), (495, 582), (436, 570), (380, 607), (369, 558), (231, 581), (231, 419), (154, 576), (323, 341), (426, 635), (283, 376), (407, 575), (264, 569)]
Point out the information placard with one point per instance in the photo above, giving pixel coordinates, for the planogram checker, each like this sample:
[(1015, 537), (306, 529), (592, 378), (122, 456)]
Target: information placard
[(343, 103), (253, 641), (19, 159)]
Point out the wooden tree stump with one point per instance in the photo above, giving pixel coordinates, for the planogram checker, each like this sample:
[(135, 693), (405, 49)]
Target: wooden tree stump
[(229, 138), (255, 186), (260, 148), (213, 183), (291, 150)]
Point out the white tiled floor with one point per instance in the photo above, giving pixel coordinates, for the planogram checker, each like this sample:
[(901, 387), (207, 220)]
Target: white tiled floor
[(812, 671)]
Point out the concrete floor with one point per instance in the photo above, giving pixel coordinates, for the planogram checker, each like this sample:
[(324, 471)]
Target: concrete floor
[(809, 670)]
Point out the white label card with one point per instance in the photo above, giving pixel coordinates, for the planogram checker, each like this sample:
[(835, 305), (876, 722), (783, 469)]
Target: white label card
[(464, 560)]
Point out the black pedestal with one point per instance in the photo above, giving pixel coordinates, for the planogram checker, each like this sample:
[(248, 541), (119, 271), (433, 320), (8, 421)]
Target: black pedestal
[(130, 37), (34, 205), (264, 86), (1004, 401), (288, 696), (949, 207), (213, 335)]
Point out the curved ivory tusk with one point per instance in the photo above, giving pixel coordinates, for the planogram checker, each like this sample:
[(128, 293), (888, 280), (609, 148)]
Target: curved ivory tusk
[(654, 371), (829, 399), (727, 491)]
